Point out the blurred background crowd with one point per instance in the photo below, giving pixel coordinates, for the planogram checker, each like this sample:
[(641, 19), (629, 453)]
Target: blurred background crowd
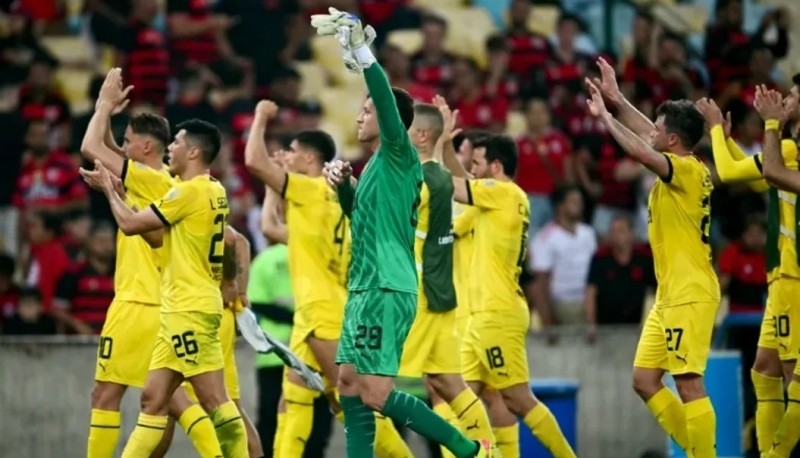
[(513, 66)]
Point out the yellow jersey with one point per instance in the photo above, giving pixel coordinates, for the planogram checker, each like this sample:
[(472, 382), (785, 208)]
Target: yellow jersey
[(138, 270), (679, 216), (319, 240), (195, 213), (501, 244), (464, 232), (733, 165)]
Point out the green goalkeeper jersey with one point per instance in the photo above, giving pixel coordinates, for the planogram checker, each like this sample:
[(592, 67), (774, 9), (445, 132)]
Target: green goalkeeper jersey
[(383, 207)]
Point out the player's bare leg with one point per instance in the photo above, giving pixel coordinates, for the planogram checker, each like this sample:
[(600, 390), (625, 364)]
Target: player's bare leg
[(768, 374), (666, 407), (325, 353), (254, 447), (504, 423), (788, 434), (228, 425), (152, 422), (464, 403), (104, 426)]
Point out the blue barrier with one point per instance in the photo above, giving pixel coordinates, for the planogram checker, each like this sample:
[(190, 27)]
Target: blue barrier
[(561, 397), (724, 386)]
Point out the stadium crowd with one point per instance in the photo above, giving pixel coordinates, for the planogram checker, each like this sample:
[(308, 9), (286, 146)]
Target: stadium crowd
[(589, 262)]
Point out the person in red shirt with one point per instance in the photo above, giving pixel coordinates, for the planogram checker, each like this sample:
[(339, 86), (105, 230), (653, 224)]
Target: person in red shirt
[(86, 290), (144, 56), (47, 260), (48, 179), (397, 65), (567, 66), (545, 161), (433, 65), (500, 82), (9, 291), (38, 101), (477, 110), (197, 35), (529, 50)]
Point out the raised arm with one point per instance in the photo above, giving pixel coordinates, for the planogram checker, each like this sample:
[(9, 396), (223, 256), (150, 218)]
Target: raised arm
[(771, 107), (256, 156), (628, 115), (636, 147), (271, 226), (95, 144), (391, 126)]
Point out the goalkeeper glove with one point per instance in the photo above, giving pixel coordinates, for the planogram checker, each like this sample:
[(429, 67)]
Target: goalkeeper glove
[(352, 36)]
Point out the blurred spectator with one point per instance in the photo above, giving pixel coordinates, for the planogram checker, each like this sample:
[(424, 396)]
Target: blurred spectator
[(47, 260), (529, 50), (48, 179), (30, 318), (477, 110), (20, 48), (545, 161), (747, 130), (567, 65), (294, 114), (86, 290), (40, 102), (9, 291), (743, 92), (398, 68), (107, 17), (727, 45), (620, 276), (644, 56), (197, 35), (500, 82), (191, 101), (432, 65), (742, 267), (388, 15), (77, 228), (12, 129), (144, 56), (561, 253)]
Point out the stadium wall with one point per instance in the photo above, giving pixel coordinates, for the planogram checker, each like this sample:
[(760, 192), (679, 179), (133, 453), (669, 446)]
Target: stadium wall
[(45, 385)]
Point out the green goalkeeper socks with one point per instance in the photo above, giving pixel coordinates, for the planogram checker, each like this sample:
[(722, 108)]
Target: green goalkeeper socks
[(359, 427), (409, 411)]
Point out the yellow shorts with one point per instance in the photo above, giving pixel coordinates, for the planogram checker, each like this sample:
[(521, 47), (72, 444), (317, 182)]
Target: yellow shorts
[(678, 338), (126, 343), (321, 320), (188, 343), (431, 345), (780, 328), (494, 348), (227, 335)]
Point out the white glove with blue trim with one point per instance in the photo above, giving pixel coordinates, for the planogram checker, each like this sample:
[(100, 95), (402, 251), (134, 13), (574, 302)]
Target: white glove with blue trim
[(353, 38)]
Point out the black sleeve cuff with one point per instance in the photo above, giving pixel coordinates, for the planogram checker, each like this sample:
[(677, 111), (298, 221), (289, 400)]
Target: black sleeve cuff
[(158, 213), (285, 186), (757, 160), (469, 192), (670, 172), (124, 171)]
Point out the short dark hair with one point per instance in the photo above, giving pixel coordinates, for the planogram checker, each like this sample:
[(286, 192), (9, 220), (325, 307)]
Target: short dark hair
[(684, 120), (204, 136), (405, 106), (153, 125), (500, 148), (431, 18), (427, 110), (559, 195), (29, 292), (624, 217), (321, 142), (50, 221)]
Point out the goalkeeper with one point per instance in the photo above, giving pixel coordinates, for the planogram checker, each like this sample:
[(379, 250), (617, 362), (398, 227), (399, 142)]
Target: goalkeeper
[(382, 299)]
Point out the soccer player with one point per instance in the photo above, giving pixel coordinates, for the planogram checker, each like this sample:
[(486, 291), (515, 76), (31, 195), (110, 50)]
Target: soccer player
[(382, 298), (319, 243), (677, 333), (493, 351), (775, 111), (133, 320), (434, 337), (188, 346), (778, 346)]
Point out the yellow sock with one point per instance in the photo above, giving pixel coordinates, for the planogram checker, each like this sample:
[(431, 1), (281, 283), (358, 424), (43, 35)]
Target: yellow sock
[(388, 441), (146, 436), (200, 430), (230, 431), (671, 415), (508, 440), (103, 433), (701, 425), (543, 425), (298, 420), (770, 406), (443, 410), (472, 414), (276, 443), (788, 433)]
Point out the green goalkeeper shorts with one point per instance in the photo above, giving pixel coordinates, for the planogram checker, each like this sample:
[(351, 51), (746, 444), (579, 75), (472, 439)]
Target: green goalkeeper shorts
[(375, 327)]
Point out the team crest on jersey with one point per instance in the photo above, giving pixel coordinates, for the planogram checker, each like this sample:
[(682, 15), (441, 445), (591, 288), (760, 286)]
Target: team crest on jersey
[(488, 183)]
